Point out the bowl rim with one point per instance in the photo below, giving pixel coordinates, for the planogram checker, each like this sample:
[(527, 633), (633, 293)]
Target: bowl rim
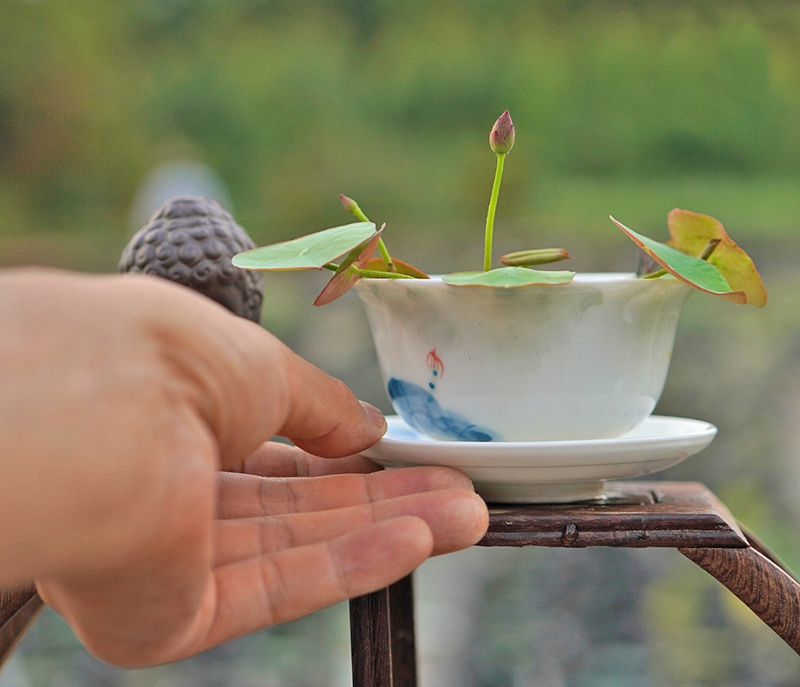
[(580, 280)]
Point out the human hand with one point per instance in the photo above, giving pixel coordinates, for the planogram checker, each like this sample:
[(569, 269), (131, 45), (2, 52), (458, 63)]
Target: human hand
[(122, 399)]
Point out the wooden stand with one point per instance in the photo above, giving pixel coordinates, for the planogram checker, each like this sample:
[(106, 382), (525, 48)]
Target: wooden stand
[(685, 516), (18, 607)]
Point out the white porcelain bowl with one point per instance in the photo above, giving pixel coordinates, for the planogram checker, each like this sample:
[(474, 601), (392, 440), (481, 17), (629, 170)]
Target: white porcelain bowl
[(584, 360)]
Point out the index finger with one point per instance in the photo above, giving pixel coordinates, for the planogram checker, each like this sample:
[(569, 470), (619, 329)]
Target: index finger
[(249, 496), (273, 459)]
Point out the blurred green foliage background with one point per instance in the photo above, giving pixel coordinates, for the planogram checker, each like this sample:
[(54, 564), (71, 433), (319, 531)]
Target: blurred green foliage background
[(623, 106), (628, 108)]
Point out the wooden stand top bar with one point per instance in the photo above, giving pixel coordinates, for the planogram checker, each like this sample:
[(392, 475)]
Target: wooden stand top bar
[(631, 515)]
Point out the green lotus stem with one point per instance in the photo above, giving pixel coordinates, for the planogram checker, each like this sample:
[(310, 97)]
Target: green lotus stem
[(353, 208), (656, 275), (709, 249), (498, 177), (387, 260), (705, 255), (332, 266), (357, 212), (379, 274)]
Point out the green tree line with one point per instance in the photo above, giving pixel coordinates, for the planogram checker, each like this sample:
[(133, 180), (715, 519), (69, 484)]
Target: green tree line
[(391, 103)]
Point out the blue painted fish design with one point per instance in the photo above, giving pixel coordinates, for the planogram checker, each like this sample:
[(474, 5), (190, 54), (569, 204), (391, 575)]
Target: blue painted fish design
[(423, 412)]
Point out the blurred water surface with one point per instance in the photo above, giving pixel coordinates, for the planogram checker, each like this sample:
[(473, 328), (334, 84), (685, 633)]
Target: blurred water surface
[(623, 108)]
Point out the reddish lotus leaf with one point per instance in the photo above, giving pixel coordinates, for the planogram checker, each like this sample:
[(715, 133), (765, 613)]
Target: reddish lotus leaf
[(694, 271), (345, 277), (400, 266), (690, 233)]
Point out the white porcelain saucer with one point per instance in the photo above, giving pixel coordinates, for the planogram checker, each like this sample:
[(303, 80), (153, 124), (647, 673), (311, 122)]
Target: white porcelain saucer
[(548, 471)]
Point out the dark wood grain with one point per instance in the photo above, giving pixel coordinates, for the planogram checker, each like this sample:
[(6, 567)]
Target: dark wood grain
[(370, 641), (401, 621), (633, 515), (18, 608), (382, 637), (769, 591), (765, 551)]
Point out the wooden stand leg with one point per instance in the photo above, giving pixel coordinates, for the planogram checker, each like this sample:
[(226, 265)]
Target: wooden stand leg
[(765, 551), (18, 608), (769, 591), (382, 637), (401, 621)]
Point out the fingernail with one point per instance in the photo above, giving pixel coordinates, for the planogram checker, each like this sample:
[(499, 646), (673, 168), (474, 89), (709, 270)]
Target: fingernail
[(375, 416)]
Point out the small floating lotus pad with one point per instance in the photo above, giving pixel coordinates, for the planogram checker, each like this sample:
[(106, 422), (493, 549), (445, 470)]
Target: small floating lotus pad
[(508, 277)]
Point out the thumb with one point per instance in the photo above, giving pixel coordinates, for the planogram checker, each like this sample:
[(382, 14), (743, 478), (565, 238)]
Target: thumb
[(323, 416), (248, 386)]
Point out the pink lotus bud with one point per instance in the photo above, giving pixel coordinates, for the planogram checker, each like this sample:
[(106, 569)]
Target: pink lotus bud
[(349, 204), (352, 207), (501, 137)]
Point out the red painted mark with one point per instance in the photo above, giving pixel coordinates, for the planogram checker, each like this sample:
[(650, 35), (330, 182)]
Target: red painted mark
[(435, 364)]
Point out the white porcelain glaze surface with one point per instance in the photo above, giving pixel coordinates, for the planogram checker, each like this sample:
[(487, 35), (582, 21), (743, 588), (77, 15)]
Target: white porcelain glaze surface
[(585, 360), (548, 471)]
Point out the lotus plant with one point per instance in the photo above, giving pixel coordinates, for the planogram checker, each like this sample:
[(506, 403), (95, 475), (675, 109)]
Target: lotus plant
[(699, 251)]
